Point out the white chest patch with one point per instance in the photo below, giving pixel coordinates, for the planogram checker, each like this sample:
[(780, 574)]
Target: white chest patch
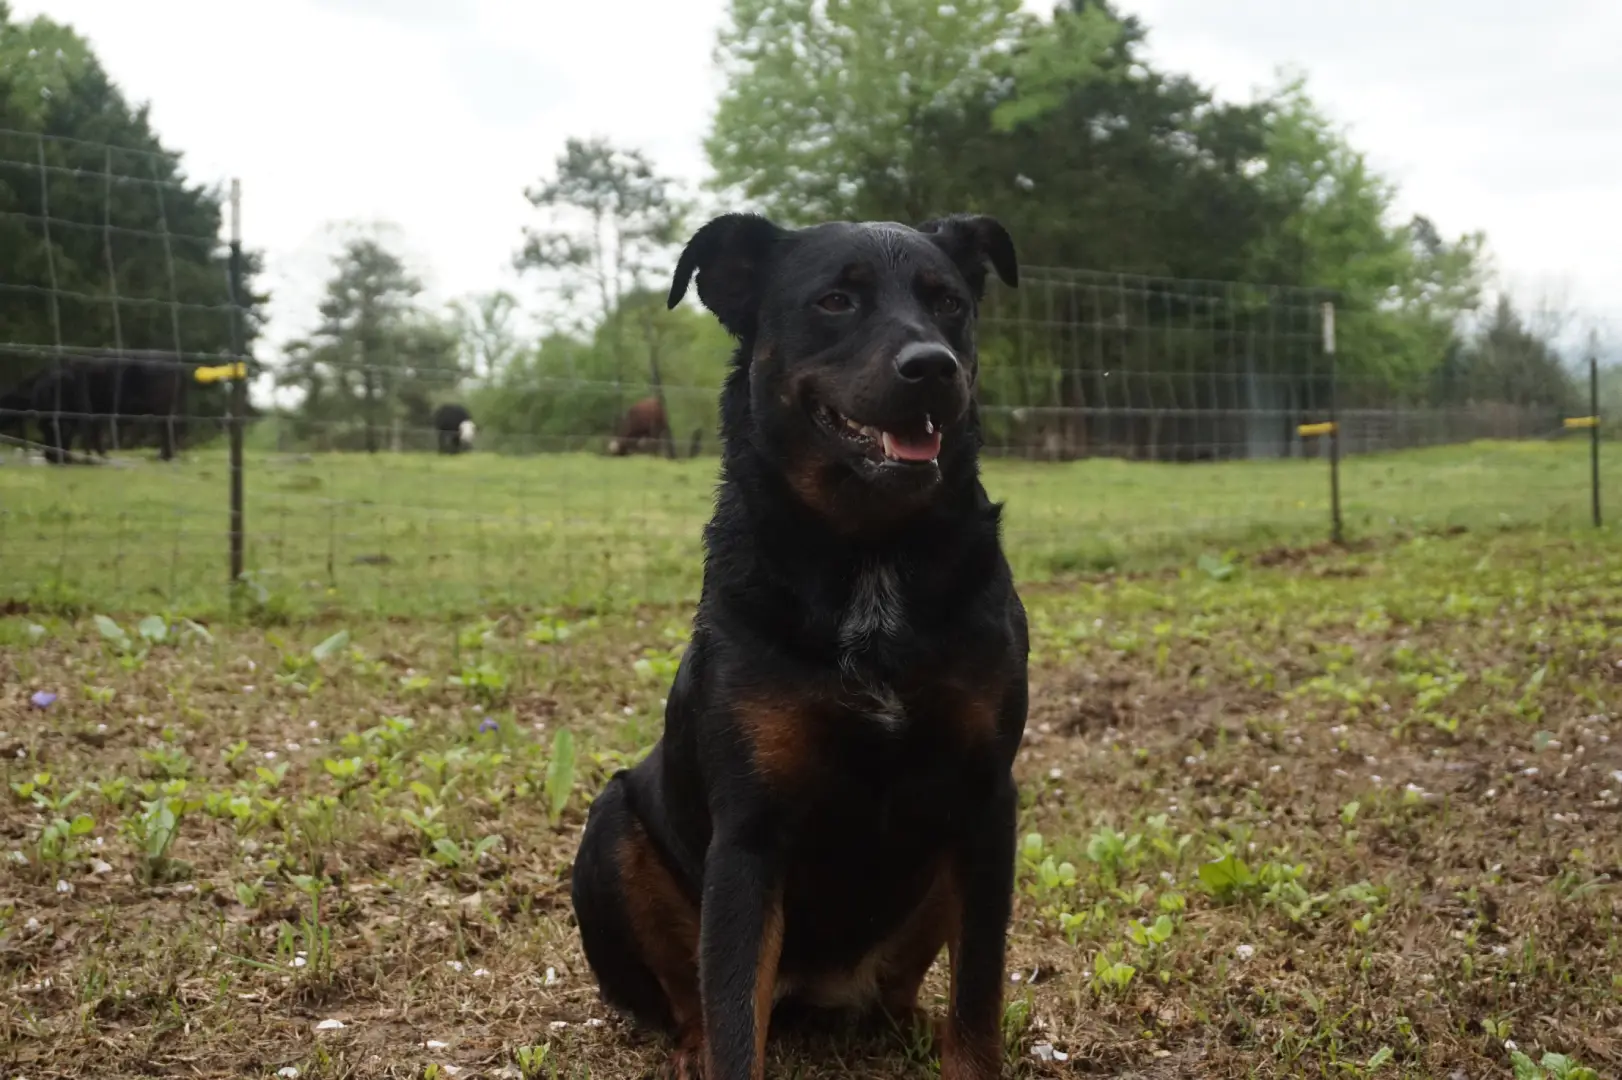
[(875, 608)]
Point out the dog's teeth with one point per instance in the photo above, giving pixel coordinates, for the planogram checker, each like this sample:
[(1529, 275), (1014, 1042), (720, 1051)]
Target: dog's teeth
[(929, 426)]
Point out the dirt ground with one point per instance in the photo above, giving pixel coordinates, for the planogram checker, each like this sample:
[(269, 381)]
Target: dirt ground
[(1316, 813)]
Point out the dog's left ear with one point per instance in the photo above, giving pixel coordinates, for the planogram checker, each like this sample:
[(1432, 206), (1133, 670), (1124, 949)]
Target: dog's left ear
[(730, 255), (972, 241)]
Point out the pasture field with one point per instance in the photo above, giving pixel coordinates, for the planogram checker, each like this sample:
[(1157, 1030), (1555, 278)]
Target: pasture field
[(417, 534), (1288, 810)]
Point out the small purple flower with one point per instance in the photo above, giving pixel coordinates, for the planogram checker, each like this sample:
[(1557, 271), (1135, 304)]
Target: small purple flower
[(487, 724), (43, 699)]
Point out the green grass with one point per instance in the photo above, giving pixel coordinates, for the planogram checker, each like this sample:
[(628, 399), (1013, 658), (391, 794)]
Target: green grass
[(1326, 813), (411, 534)]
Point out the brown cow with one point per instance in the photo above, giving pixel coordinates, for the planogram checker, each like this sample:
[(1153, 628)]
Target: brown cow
[(644, 429)]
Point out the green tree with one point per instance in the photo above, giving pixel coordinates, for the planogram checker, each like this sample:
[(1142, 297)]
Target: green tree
[(822, 96), (377, 360), (612, 224), (1508, 363), (561, 395), (133, 257), (483, 325), (1402, 287), (1097, 158)]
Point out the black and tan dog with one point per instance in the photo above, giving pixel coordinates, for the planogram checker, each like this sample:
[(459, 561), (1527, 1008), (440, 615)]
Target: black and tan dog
[(832, 801)]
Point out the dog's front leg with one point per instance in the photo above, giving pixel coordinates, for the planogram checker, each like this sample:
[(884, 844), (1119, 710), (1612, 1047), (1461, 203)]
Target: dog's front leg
[(983, 879), (741, 937)]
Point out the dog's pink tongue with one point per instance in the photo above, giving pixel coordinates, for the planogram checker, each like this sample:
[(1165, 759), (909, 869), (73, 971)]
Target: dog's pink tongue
[(908, 448)]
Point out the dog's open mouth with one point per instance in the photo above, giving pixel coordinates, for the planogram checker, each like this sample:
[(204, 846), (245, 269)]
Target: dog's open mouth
[(918, 447)]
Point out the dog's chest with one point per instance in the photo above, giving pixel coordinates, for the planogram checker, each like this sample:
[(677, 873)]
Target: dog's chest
[(871, 625)]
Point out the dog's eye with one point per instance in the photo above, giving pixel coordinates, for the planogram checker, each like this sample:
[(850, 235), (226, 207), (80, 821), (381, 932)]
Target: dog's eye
[(836, 302), (949, 305)]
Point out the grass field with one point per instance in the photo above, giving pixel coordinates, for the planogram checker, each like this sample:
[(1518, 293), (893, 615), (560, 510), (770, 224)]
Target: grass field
[(414, 534), (1290, 811)]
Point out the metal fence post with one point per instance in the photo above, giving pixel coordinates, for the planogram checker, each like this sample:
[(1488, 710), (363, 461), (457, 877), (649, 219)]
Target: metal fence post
[(1337, 531), (1593, 432), (237, 391)]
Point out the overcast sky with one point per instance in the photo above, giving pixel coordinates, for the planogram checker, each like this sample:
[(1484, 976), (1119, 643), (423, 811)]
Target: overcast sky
[(435, 114)]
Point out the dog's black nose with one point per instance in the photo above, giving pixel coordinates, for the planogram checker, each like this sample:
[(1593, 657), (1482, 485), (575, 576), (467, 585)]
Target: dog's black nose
[(922, 360)]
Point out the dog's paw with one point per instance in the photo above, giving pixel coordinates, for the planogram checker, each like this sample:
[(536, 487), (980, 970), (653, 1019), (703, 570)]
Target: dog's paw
[(686, 1061)]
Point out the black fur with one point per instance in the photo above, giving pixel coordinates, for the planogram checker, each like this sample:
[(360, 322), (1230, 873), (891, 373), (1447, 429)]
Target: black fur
[(836, 767)]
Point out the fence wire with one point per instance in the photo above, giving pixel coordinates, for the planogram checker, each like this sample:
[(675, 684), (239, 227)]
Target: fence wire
[(1128, 423)]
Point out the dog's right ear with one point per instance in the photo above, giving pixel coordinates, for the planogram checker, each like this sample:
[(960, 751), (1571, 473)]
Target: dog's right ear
[(730, 255)]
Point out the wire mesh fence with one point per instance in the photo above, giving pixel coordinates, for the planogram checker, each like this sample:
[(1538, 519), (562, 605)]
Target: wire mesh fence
[(1129, 422)]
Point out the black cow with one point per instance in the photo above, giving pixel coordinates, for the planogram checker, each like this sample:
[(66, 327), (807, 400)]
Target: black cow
[(83, 397), (59, 397), (454, 425), (140, 394), (15, 405)]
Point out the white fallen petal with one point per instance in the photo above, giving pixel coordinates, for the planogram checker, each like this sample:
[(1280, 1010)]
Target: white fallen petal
[(454, 965), (481, 973), (330, 1025), (1042, 1051), (98, 866), (558, 1025), (1245, 952), (594, 1022), (551, 977), (287, 1072), (63, 888), (435, 1044)]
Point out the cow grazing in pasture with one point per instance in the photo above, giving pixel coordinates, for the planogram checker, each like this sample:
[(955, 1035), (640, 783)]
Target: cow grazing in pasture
[(644, 429), (57, 402), (82, 398), (454, 427), (15, 406)]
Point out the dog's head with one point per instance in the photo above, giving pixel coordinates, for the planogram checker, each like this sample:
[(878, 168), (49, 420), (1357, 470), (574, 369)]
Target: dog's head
[(858, 339)]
